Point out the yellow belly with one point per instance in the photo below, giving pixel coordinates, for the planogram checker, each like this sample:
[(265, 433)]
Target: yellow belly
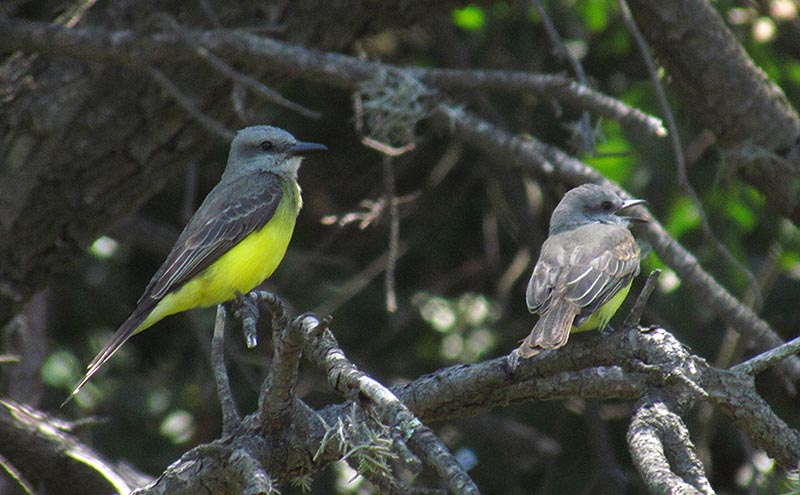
[(238, 271), (604, 313)]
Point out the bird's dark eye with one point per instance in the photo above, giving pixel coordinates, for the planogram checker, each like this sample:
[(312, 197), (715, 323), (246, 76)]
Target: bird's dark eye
[(607, 205), (266, 145)]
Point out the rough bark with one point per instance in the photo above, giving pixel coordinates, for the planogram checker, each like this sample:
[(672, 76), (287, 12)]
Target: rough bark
[(725, 91)]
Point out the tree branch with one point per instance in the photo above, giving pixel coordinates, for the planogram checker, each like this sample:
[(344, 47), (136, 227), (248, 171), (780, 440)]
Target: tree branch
[(663, 452), (251, 51), (45, 453), (725, 91), (626, 364), (345, 378)]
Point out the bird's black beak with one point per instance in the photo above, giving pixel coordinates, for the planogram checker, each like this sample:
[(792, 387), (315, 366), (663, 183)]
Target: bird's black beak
[(632, 202), (302, 148)]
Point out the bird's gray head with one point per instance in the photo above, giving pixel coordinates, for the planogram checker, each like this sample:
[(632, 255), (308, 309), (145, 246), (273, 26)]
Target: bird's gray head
[(264, 147), (587, 204)]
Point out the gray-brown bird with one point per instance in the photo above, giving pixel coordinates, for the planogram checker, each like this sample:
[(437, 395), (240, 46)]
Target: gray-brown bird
[(585, 269)]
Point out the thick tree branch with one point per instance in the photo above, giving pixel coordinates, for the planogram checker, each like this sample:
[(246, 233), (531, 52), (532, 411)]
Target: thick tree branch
[(135, 49), (729, 94), (44, 452), (663, 452), (624, 365)]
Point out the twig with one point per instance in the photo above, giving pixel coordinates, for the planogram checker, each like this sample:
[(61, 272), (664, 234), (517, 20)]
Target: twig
[(584, 125), (387, 149), (230, 414), (358, 282), (564, 89), (767, 359), (17, 476), (394, 234), (732, 347), (236, 76), (188, 105), (635, 315), (253, 84), (732, 344), (322, 348), (677, 150)]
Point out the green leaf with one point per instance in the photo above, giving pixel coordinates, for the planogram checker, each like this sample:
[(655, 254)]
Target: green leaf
[(470, 18), (792, 70), (683, 217), (741, 214), (595, 14)]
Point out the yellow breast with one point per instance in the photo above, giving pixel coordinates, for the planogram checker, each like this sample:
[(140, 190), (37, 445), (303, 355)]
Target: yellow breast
[(604, 313), (239, 270)]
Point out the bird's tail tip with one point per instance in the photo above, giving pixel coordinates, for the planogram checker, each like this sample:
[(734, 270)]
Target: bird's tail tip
[(67, 400), (93, 368), (125, 331), (550, 332), (528, 350)]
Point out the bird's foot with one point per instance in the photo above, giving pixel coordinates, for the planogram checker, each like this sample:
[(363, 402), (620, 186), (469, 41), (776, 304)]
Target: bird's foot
[(245, 309), (512, 362)]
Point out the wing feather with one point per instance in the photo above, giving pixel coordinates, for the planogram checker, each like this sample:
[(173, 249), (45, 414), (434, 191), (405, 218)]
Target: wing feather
[(229, 213), (600, 263)]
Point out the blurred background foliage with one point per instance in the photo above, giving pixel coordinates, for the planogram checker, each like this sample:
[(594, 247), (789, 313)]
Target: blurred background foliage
[(470, 232)]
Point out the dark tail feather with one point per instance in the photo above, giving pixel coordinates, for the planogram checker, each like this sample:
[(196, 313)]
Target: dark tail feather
[(122, 335), (552, 329)]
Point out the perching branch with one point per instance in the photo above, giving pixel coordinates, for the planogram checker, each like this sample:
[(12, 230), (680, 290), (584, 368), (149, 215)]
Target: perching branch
[(184, 102), (626, 364), (230, 415), (583, 128)]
